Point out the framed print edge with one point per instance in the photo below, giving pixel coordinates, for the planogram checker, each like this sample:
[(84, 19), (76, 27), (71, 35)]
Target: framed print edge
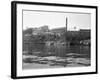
[(96, 39), (14, 39)]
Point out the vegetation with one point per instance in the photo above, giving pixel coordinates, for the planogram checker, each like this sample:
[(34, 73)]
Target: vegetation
[(61, 35)]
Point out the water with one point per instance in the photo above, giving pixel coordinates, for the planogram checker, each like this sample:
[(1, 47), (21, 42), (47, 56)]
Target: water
[(44, 56)]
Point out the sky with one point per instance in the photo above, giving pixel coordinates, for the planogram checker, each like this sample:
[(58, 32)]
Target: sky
[(35, 19)]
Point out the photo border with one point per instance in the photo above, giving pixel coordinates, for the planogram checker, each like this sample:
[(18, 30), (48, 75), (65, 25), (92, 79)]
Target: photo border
[(14, 38)]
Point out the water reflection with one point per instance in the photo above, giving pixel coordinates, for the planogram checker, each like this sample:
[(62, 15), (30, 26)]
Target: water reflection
[(43, 56)]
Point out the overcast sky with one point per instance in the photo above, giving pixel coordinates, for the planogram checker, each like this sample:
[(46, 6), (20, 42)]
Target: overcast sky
[(56, 20)]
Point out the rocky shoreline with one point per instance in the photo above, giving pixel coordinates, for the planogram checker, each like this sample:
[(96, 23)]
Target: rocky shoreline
[(54, 61)]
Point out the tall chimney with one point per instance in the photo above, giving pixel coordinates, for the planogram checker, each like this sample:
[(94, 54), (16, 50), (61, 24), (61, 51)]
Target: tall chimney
[(66, 24)]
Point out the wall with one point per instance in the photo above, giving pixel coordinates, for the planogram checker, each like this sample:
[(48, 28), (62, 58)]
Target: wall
[(5, 40)]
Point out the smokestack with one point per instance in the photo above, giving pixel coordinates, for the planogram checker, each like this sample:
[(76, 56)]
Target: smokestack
[(66, 23)]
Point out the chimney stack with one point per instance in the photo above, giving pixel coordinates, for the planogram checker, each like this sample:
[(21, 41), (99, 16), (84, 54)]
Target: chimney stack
[(66, 23)]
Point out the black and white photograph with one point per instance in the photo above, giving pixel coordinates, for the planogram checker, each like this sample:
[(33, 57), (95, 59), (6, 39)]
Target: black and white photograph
[(53, 39), (56, 39)]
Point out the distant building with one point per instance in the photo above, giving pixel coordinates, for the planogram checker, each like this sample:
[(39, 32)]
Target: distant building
[(85, 30), (40, 30), (44, 28)]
